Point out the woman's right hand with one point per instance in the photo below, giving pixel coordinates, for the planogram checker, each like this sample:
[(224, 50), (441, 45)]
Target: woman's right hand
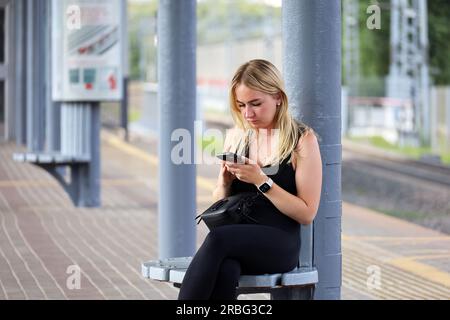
[(225, 176)]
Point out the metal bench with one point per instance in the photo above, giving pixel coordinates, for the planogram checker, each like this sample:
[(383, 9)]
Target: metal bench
[(80, 152), (298, 284)]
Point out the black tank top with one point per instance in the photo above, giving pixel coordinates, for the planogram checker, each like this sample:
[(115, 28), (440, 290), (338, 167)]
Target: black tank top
[(264, 210)]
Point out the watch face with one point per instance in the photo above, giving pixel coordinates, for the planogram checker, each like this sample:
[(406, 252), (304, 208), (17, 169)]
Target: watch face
[(264, 188)]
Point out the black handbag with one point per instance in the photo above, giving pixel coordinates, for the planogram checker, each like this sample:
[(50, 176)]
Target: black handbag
[(235, 209)]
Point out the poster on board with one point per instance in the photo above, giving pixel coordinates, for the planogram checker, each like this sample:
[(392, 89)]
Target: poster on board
[(86, 50)]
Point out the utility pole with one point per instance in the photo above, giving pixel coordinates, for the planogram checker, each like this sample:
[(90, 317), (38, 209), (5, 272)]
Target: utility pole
[(408, 72)]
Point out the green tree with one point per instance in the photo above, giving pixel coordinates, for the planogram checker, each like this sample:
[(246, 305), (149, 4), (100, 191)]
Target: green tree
[(375, 44), (439, 35)]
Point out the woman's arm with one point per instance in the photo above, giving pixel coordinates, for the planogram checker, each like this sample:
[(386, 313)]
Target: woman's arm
[(221, 191), (308, 179), (225, 178)]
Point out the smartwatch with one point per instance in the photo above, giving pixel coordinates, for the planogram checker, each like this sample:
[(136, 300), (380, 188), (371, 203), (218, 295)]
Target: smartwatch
[(265, 186)]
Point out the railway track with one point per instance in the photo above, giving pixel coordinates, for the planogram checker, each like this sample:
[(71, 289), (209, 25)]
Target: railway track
[(435, 173)]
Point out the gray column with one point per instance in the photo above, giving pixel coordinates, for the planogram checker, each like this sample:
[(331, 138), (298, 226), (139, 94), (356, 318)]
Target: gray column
[(424, 75), (36, 66), (177, 109), (312, 69), (125, 67), (11, 61), (88, 186), (52, 108), (29, 75), (19, 79)]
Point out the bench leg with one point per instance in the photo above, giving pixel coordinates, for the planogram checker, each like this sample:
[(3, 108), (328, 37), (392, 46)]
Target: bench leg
[(85, 187), (85, 178), (293, 293)]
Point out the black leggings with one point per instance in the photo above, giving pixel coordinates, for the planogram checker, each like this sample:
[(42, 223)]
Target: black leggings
[(232, 250)]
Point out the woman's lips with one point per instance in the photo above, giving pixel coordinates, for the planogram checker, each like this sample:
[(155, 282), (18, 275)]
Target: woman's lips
[(252, 120)]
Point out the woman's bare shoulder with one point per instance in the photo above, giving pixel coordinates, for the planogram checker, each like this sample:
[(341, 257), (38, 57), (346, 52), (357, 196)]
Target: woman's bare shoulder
[(306, 144), (306, 141)]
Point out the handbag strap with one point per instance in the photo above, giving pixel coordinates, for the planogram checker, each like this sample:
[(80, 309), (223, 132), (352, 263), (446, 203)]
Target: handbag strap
[(199, 220), (250, 200)]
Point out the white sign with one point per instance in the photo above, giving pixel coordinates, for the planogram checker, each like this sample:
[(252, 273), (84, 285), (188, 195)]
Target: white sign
[(86, 50)]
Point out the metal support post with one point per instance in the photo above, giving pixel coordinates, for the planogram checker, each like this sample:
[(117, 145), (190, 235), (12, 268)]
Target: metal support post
[(177, 110), (312, 69)]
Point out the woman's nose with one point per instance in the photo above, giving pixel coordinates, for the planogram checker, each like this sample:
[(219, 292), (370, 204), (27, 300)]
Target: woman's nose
[(248, 111)]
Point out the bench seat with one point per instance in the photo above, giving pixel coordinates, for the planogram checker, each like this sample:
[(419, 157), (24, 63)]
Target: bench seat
[(50, 158), (173, 270)]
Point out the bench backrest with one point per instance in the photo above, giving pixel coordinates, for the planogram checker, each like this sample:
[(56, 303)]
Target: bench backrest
[(75, 129)]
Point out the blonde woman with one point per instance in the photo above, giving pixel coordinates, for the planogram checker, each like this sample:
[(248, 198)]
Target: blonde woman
[(284, 165)]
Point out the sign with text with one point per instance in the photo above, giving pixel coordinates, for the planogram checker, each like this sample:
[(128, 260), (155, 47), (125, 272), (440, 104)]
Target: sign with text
[(86, 50)]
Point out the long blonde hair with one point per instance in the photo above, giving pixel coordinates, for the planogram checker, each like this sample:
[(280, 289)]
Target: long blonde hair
[(263, 76)]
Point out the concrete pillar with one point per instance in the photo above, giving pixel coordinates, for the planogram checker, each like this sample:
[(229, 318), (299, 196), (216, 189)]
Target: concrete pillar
[(424, 76), (10, 60), (20, 77), (447, 117), (52, 108), (36, 68), (125, 68), (312, 69), (177, 109)]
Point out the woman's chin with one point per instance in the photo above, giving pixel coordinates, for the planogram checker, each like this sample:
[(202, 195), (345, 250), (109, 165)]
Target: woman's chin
[(254, 124)]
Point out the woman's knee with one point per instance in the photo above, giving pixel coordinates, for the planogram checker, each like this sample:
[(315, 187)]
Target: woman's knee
[(217, 238)]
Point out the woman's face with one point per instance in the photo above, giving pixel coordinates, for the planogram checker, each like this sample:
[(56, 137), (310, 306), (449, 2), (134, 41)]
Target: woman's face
[(257, 108)]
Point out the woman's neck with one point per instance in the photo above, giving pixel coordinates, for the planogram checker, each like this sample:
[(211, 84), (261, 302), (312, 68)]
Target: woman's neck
[(265, 132)]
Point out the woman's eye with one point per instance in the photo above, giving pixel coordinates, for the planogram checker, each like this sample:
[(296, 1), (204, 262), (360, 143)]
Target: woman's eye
[(253, 105)]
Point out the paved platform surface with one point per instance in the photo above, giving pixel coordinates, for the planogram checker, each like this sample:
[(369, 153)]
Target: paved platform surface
[(45, 241)]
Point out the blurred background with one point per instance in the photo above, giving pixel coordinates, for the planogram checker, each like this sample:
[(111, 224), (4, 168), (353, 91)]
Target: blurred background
[(395, 89)]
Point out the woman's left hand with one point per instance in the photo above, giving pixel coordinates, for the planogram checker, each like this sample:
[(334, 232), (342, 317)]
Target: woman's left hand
[(249, 172)]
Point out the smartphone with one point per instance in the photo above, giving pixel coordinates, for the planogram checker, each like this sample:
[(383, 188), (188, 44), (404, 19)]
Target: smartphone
[(231, 157)]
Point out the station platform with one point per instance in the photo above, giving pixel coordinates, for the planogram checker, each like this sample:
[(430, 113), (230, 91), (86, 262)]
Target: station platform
[(44, 239)]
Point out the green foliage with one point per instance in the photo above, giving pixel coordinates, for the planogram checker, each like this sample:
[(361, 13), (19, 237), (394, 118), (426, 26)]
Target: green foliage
[(213, 143), (134, 115), (407, 215), (439, 39), (413, 152), (138, 15), (217, 20), (375, 44)]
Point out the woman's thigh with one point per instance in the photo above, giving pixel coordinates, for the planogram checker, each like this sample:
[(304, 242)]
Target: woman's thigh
[(259, 248)]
